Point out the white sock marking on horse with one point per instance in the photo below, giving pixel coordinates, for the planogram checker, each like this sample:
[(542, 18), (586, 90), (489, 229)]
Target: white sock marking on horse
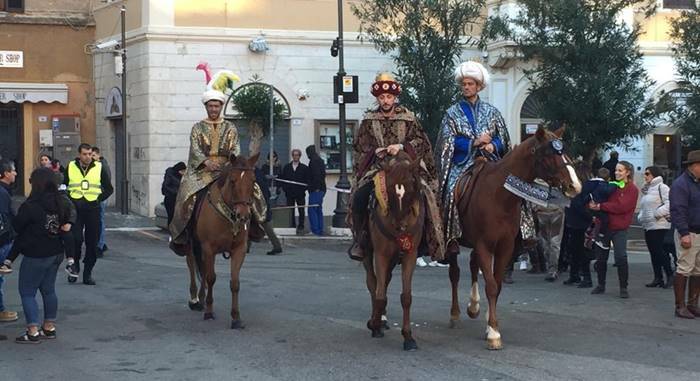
[(384, 318), (492, 334), (242, 174), (194, 301)]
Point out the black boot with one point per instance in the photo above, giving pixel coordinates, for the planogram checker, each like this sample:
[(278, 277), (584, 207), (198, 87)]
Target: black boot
[(87, 276), (586, 282), (657, 282), (623, 276), (601, 269)]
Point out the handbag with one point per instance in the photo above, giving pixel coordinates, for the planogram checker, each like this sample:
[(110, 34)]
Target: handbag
[(668, 218)]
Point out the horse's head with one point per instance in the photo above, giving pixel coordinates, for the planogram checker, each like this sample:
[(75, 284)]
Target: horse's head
[(237, 180), (402, 183), (551, 162)]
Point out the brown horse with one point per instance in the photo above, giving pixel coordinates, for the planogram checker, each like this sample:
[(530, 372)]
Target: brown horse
[(395, 233), (490, 217), (221, 225)]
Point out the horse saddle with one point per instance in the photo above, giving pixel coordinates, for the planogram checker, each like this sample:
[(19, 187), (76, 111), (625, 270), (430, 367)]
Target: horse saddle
[(465, 184)]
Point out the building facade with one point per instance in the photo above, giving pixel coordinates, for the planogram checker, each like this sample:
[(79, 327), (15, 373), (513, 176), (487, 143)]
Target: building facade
[(284, 43), (46, 87)]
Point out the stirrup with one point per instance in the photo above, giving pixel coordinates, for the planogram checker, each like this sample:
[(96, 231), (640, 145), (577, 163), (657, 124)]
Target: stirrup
[(353, 252)]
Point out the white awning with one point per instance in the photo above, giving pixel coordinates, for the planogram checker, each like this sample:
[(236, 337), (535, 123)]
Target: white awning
[(33, 92)]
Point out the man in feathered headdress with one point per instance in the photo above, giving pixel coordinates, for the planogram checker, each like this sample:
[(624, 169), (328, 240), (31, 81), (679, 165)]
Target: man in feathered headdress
[(212, 141), (386, 131)]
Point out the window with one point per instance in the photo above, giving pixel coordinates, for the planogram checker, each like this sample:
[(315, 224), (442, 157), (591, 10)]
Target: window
[(12, 6), (328, 143), (678, 4)]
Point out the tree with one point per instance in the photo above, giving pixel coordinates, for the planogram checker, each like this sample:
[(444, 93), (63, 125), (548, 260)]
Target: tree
[(587, 70), (425, 39), (685, 32), (252, 102)]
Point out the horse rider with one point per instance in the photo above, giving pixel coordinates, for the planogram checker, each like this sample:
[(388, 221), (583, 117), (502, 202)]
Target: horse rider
[(470, 128), (212, 142), (386, 131)]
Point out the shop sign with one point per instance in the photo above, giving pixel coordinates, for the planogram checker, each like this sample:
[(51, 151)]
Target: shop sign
[(11, 58)]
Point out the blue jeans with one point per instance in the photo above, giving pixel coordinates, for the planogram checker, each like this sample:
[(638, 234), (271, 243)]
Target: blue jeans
[(101, 240), (39, 274), (316, 212), (4, 250)]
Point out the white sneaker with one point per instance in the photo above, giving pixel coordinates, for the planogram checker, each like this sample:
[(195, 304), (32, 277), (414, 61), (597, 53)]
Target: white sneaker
[(437, 264), (421, 262)]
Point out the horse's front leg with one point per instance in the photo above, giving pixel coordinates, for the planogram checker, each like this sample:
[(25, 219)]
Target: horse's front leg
[(210, 278), (381, 266), (493, 337), (237, 257), (473, 309), (408, 265), (194, 303), (454, 282)]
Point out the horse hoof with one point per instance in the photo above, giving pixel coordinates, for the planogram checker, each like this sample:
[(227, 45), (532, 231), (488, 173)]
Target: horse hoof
[(208, 316), (377, 333), (453, 322), (494, 344), (410, 345), (472, 314), (237, 324), (196, 306)]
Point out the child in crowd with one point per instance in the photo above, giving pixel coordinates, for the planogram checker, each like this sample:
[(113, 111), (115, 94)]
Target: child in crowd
[(599, 228)]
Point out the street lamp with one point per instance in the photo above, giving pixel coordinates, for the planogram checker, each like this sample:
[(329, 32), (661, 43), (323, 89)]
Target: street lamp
[(343, 185)]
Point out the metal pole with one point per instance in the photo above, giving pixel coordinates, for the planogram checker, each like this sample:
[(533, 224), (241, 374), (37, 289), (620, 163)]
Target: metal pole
[(272, 138), (125, 151), (341, 209)]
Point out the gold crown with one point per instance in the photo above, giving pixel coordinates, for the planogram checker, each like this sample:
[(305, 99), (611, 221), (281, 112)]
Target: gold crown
[(384, 77)]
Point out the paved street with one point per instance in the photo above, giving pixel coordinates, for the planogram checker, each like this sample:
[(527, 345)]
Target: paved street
[(305, 314)]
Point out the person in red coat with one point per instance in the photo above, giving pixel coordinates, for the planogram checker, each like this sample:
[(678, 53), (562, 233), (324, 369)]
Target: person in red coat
[(620, 208)]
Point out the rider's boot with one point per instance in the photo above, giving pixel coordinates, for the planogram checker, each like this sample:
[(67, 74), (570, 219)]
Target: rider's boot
[(359, 228), (181, 245)]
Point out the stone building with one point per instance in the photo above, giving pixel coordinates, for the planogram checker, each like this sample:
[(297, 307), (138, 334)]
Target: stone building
[(45, 78), (286, 43)]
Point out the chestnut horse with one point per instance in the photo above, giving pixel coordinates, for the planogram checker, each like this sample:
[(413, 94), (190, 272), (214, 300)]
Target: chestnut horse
[(490, 217), (221, 226), (395, 232)]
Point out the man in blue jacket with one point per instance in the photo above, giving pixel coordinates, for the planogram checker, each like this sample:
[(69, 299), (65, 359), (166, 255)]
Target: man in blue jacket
[(7, 177), (685, 217)]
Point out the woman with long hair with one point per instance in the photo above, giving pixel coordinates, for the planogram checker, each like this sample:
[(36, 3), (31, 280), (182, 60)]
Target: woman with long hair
[(655, 216), (620, 208), (39, 224)]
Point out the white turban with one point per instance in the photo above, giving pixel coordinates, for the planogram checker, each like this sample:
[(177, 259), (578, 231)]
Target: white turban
[(473, 70), (213, 95)]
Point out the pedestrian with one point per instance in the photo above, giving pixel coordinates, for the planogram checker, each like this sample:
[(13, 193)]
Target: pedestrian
[(376, 139), (655, 217), (38, 225), (550, 221), (296, 193), (45, 160), (685, 217), (611, 164), (171, 184), (275, 187), (620, 208), (101, 245), (7, 234), (600, 192), (577, 220), (317, 189), (88, 184), (264, 183)]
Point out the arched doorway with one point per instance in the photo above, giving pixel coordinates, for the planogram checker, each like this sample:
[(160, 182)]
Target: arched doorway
[(253, 100), (530, 116), (668, 149)]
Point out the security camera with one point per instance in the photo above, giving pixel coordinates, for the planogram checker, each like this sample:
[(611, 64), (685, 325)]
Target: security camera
[(335, 47), (107, 44)]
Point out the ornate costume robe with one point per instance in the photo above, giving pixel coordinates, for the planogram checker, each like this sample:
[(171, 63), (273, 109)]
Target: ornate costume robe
[(377, 131), (214, 140), (462, 125)]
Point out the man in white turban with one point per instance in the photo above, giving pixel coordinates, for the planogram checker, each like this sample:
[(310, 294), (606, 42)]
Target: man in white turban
[(469, 129), (212, 142)]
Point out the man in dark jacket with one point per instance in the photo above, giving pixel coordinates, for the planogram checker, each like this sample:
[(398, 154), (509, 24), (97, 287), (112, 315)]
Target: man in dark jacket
[(88, 184), (296, 192), (267, 226), (317, 189), (170, 186), (685, 217), (7, 177), (612, 163), (101, 245)]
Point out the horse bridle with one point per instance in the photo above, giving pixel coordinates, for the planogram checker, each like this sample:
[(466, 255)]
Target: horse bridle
[(556, 146), (234, 202)]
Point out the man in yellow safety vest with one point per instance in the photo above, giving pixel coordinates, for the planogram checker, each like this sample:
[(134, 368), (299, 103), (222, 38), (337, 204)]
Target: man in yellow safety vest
[(88, 184)]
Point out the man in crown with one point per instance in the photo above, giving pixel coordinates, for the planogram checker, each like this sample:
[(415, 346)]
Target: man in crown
[(386, 131), (212, 142)]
